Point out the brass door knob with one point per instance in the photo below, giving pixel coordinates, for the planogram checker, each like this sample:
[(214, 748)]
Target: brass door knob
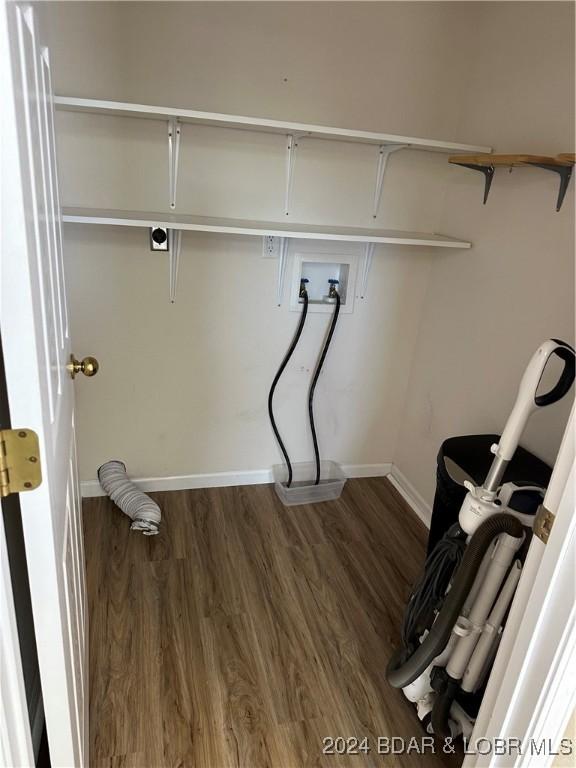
[(89, 366)]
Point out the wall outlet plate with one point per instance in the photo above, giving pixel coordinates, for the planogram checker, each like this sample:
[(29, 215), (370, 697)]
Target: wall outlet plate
[(270, 247), (159, 239)]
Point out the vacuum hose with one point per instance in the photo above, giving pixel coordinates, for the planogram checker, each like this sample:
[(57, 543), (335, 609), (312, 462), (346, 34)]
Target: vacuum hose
[(440, 716), (430, 592), (402, 669), (283, 364), (144, 513), (333, 294)]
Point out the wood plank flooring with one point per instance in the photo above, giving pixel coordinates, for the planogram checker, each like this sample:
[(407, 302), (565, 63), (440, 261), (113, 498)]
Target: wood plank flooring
[(246, 632)]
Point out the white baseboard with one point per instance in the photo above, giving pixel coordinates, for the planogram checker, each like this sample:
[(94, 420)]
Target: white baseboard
[(92, 488), (186, 482), (367, 470), (411, 495)]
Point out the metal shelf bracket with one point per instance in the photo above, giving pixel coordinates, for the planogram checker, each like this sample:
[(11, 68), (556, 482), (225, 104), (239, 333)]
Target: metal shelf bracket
[(565, 173), (487, 170), (291, 147), (366, 266), (282, 260), (384, 152), (174, 256), (174, 131)]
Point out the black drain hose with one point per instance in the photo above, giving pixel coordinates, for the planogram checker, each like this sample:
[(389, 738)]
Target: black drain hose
[(283, 364), (440, 717), (406, 665), (336, 295)]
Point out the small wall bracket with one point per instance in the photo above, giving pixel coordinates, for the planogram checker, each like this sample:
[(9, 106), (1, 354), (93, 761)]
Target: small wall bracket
[(384, 152), (291, 147), (488, 171), (174, 264), (282, 261), (366, 266), (565, 173), (174, 131)]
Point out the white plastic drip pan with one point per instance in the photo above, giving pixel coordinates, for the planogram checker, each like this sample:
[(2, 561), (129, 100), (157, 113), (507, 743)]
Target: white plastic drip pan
[(302, 490)]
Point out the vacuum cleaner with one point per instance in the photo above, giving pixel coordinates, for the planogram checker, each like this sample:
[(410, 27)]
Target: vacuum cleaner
[(333, 297), (457, 611)]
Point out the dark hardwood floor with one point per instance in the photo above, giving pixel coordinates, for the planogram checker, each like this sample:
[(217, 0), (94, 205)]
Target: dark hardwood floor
[(246, 632)]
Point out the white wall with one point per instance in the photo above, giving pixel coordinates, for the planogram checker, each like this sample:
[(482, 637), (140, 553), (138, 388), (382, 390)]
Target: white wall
[(487, 310), (182, 389)]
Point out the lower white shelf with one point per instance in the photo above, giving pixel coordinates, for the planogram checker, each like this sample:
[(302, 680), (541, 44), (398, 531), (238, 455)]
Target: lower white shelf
[(183, 222)]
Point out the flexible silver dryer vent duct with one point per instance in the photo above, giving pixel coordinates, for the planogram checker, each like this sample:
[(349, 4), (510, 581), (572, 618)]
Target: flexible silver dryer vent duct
[(144, 513)]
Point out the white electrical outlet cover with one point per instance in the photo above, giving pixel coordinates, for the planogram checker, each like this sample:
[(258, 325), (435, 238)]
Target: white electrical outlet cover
[(270, 247)]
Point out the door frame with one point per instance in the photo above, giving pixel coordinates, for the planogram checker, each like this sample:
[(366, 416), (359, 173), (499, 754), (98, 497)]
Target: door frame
[(15, 733), (20, 689)]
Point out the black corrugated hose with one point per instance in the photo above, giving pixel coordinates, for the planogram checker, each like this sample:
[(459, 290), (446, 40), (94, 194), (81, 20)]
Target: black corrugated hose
[(321, 359), (283, 364), (440, 717), (408, 664), (429, 593)]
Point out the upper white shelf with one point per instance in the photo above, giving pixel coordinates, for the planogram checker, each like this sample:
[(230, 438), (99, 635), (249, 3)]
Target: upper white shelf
[(246, 227), (126, 109)]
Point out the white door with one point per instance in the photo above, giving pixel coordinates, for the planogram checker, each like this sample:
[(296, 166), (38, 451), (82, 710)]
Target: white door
[(36, 344), (531, 692)]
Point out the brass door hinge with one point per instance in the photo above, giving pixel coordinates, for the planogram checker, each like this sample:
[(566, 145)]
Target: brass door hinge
[(19, 461), (543, 522)]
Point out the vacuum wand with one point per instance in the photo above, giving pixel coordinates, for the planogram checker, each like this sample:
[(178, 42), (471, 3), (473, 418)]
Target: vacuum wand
[(527, 401), (480, 500)]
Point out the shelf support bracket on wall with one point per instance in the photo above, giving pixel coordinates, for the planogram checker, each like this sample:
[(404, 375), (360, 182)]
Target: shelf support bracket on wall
[(282, 260), (174, 256), (174, 131), (561, 164), (487, 170), (565, 173), (366, 265), (291, 147), (384, 152)]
